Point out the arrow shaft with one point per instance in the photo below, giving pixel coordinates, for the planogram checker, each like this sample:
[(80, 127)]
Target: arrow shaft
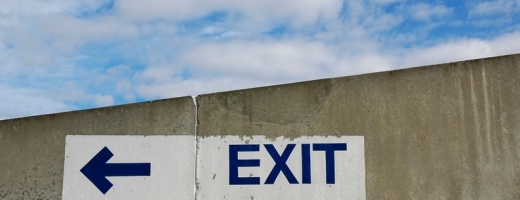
[(97, 169), (127, 169)]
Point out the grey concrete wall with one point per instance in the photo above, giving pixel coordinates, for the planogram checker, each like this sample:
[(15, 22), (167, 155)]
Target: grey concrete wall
[(32, 149), (448, 131)]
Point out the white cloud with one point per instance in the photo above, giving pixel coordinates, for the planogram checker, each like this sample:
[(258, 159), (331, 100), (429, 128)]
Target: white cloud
[(103, 100), (162, 48), (268, 59), (66, 34), (363, 20), (113, 74), (387, 1), (255, 13), (162, 73), (448, 52), (219, 66), (243, 64), (506, 44), (197, 86), (500, 7), (21, 102), (18, 10), (35, 7), (425, 12), (462, 49), (123, 86)]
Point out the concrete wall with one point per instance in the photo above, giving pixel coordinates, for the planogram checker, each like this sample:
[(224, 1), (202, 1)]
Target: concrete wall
[(32, 149), (448, 131)]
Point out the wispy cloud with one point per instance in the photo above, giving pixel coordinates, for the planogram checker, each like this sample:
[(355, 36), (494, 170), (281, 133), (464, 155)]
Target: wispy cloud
[(425, 11), (497, 7), (62, 55)]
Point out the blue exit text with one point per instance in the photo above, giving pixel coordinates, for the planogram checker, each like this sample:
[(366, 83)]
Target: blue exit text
[(280, 162)]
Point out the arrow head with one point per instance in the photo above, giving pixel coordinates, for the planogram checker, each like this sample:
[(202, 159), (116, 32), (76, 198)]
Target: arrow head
[(94, 170)]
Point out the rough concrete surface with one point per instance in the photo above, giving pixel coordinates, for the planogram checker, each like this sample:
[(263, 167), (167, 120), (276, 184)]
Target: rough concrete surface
[(449, 131), (32, 148)]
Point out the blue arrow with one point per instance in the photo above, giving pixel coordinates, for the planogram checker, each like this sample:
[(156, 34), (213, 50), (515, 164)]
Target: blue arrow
[(97, 169)]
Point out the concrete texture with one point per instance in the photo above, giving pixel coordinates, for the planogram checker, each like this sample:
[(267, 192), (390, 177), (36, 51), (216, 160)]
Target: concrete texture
[(32, 149), (449, 131)]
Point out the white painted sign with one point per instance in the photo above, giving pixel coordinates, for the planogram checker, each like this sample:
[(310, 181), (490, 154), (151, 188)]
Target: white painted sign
[(233, 167), (129, 167)]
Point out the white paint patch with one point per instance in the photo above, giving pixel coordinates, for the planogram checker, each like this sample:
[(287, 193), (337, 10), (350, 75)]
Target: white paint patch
[(171, 158), (214, 168)]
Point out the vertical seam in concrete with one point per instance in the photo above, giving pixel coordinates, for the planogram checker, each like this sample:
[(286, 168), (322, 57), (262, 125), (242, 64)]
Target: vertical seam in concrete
[(487, 111), (196, 126), (475, 114), (478, 140)]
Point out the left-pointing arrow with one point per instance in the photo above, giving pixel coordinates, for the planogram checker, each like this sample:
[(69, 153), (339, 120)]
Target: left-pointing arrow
[(97, 169)]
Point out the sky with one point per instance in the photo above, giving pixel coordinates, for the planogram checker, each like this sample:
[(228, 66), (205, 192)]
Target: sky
[(62, 55)]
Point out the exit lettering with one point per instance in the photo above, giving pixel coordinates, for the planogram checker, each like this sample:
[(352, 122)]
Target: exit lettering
[(280, 160)]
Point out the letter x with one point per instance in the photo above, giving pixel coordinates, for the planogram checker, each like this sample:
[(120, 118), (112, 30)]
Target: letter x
[(280, 164)]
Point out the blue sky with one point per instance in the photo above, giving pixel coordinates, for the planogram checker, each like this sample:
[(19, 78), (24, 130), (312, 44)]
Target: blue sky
[(62, 55)]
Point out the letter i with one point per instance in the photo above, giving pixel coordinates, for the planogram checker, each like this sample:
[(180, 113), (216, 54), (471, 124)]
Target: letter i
[(306, 163)]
